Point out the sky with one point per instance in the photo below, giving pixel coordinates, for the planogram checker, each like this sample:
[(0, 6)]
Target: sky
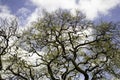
[(28, 11)]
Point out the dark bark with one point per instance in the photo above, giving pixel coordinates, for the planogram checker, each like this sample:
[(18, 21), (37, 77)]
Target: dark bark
[(86, 76), (50, 72), (0, 63)]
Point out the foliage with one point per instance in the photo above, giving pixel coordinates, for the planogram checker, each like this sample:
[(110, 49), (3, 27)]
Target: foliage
[(67, 47), (8, 30)]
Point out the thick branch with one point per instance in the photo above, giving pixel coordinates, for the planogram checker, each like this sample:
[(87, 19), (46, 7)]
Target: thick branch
[(80, 70)]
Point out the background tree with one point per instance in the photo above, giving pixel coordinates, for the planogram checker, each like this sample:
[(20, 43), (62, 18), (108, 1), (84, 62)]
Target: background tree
[(7, 32)]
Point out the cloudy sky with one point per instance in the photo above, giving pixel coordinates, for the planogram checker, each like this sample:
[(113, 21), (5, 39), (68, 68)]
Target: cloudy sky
[(28, 10)]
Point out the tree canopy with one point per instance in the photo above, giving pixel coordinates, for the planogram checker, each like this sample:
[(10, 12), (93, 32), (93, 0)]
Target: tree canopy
[(63, 46)]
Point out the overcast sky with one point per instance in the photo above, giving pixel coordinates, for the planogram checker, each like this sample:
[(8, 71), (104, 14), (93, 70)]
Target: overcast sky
[(28, 10)]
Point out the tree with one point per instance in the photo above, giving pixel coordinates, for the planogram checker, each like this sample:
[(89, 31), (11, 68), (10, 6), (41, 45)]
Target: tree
[(8, 30), (67, 47)]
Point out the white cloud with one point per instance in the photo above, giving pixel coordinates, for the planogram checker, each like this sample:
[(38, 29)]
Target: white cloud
[(26, 21), (92, 8), (23, 11), (5, 12), (22, 14), (34, 16), (51, 5), (6, 15), (4, 9)]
